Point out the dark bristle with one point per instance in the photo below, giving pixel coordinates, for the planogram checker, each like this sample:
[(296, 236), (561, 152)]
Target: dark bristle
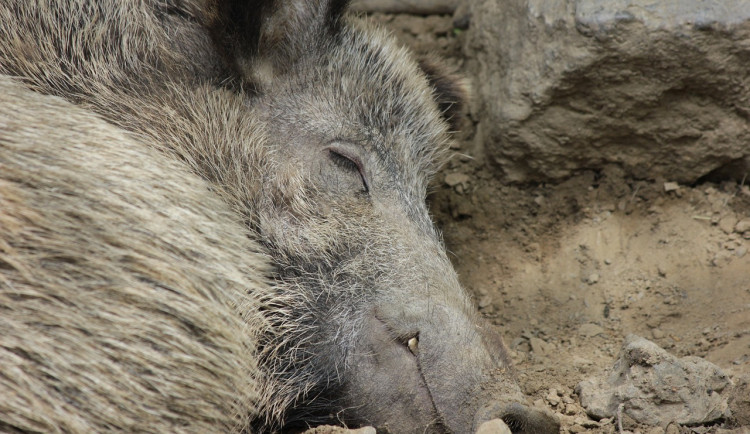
[(448, 90)]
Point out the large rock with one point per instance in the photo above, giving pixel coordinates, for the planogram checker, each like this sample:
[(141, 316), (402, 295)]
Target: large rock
[(661, 88), (656, 388)]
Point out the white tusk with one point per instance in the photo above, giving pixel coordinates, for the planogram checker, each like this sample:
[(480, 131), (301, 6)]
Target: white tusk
[(413, 345)]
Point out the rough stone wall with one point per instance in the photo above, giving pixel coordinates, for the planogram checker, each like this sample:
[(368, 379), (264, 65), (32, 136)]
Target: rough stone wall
[(660, 88)]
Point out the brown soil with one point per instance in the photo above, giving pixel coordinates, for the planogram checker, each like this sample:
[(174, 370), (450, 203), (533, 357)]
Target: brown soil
[(568, 270)]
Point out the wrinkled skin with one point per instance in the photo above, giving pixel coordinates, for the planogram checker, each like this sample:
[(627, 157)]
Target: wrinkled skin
[(368, 321)]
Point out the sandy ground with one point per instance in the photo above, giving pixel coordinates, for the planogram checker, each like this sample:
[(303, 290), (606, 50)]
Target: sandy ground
[(568, 270)]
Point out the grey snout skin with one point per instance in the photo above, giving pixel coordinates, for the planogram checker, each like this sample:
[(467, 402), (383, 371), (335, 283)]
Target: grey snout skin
[(441, 373), (519, 418)]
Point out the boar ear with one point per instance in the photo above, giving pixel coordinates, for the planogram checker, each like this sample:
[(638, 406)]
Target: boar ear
[(261, 38), (450, 90)]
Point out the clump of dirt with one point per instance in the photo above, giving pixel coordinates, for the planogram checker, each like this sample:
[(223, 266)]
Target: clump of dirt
[(568, 270)]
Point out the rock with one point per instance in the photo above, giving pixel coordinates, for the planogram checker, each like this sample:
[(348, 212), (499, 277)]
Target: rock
[(657, 333), (671, 186), (552, 397), (727, 223), (592, 279), (742, 226), (656, 388), (658, 88), (739, 403), (541, 348), (457, 178), (575, 429), (494, 426)]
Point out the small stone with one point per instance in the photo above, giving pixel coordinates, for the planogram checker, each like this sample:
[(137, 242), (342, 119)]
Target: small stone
[(588, 423), (671, 186), (456, 178), (589, 329), (485, 301), (657, 334), (540, 347), (572, 409), (742, 226), (552, 397), (576, 429), (672, 428), (661, 271), (727, 223), (593, 278), (608, 261), (741, 251), (494, 426)]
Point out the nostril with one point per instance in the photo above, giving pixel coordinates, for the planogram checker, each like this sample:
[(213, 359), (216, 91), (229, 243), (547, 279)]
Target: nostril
[(413, 345), (514, 422), (522, 420)]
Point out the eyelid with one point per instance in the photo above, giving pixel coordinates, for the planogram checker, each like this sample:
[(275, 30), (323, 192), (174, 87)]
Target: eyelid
[(351, 156)]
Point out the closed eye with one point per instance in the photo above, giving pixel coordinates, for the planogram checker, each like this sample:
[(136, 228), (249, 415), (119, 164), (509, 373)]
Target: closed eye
[(349, 162)]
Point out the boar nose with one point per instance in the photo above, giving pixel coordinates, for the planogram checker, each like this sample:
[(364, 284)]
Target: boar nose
[(520, 419)]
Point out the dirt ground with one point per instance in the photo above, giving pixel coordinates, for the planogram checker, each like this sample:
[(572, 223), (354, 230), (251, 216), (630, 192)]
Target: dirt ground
[(568, 270)]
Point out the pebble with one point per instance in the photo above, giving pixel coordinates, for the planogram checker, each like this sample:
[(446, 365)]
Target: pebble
[(454, 179), (657, 333), (742, 226), (661, 271), (671, 186), (540, 347), (728, 223), (494, 426), (485, 301), (593, 278), (572, 409), (552, 397)]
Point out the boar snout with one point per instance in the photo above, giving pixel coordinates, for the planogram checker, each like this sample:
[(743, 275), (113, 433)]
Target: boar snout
[(437, 366)]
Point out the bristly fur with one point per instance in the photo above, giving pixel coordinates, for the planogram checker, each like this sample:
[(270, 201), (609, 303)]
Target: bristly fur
[(450, 90), (154, 228), (125, 283)]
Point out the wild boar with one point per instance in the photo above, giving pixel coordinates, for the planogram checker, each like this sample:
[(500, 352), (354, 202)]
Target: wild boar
[(285, 273)]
